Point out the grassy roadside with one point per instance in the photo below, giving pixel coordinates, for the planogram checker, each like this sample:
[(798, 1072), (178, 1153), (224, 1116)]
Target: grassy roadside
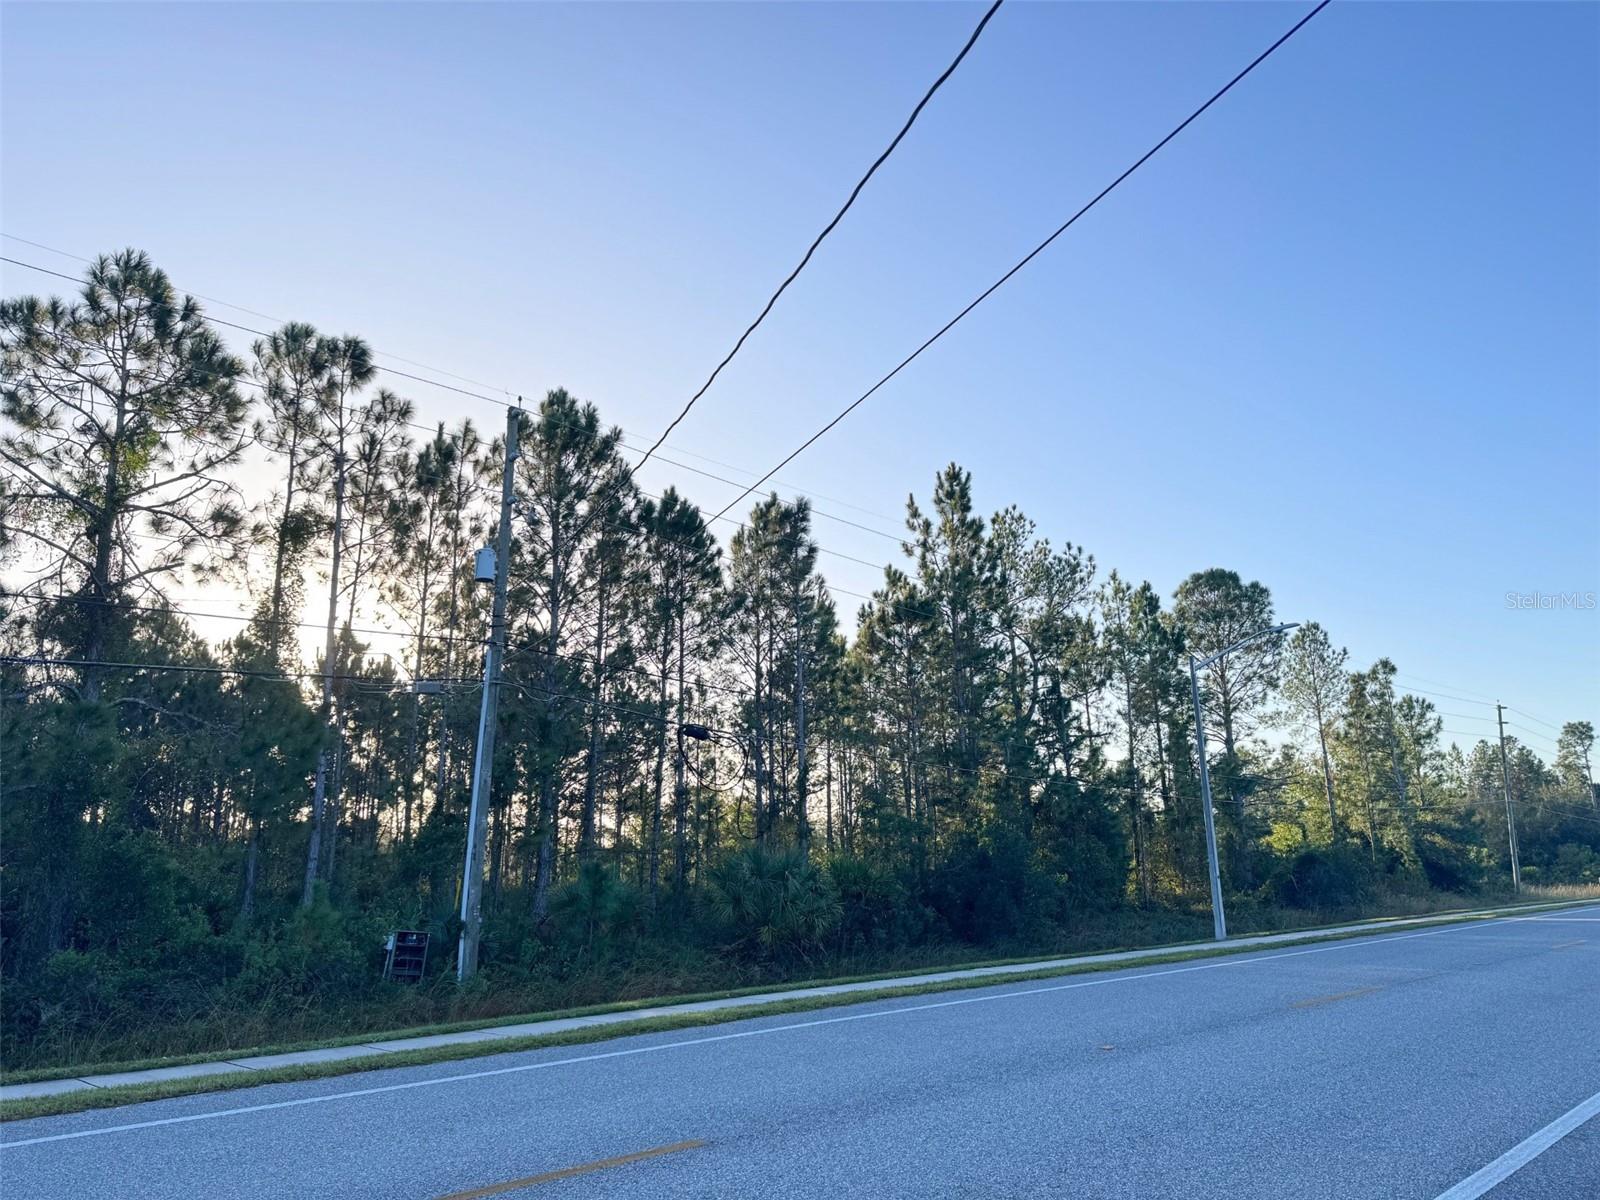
[(396, 1033), (94, 1098)]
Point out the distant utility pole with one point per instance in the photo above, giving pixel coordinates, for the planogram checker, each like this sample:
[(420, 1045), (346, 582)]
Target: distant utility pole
[(483, 758), (1505, 783)]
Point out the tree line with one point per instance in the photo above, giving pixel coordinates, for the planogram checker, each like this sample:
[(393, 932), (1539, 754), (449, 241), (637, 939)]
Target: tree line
[(1001, 752)]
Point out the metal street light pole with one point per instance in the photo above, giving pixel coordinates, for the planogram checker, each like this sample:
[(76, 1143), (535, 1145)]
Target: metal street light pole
[(483, 758), (1219, 923)]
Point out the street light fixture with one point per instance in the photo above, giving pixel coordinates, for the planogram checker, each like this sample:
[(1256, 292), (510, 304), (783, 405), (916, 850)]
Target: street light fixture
[(1219, 923)]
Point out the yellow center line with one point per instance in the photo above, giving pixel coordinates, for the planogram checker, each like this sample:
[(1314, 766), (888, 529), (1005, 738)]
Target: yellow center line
[(621, 1160), (1317, 1001)]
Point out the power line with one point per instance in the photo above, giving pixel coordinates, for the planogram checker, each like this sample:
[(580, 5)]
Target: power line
[(292, 676), (1447, 696), (816, 495), (549, 696), (893, 537), (410, 636), (244, 618), (245, 381), (1438, 683), (204, 669), (1534, 719), (827, 229), (438, 370), (1534, 733), (380, 493), (252, 312), (517, 403), (1032, 254), (1468, 698), (640, 670), (1483, 736), (1530, 732), (432, 430), (589, 658), (264, 333)]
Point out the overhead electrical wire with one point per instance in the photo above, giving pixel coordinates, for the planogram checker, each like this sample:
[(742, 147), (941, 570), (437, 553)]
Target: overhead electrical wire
[(204, 669), (838, 589), (494, 492), (246, 381), (1445, 696), (1534, 719), (514, 402), (284, 676), (1029, 257), (254, 313), (1481, 703), (1437, 683), (827, 229), (1469, 697), (9, 599), (830, 587)]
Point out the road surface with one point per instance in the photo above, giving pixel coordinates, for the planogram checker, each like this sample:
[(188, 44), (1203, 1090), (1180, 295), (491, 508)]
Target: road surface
[(1424, 1064)]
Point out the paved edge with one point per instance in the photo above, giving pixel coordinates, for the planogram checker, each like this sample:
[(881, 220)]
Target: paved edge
[(244, 1065)]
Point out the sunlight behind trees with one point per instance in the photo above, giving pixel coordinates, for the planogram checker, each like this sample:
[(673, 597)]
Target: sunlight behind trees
[(215, 836)]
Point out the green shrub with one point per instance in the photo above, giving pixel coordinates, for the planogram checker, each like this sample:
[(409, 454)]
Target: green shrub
[(774, 902), (1449, 864), (318, 952), (1575, 864), (596, 906), (1327, 877), (876, 910), (982, 887)]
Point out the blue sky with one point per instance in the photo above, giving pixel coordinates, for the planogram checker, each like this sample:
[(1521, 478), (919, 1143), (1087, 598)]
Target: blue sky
[(1341, 336)]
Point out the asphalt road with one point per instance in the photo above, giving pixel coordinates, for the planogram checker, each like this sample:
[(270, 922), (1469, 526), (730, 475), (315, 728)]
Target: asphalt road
[(1396, 1066)]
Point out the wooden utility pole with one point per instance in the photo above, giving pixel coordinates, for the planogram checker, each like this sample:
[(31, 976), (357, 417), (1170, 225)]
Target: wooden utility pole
[(483, 759), (1505, 783)]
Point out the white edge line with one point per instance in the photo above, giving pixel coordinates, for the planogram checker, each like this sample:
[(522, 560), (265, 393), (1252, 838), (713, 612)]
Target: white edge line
[(1523, 1153), (1241, 961)]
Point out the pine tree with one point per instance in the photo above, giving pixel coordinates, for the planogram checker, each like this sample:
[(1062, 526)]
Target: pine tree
[(126, 418), (1314, 687), (1216, 609)]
